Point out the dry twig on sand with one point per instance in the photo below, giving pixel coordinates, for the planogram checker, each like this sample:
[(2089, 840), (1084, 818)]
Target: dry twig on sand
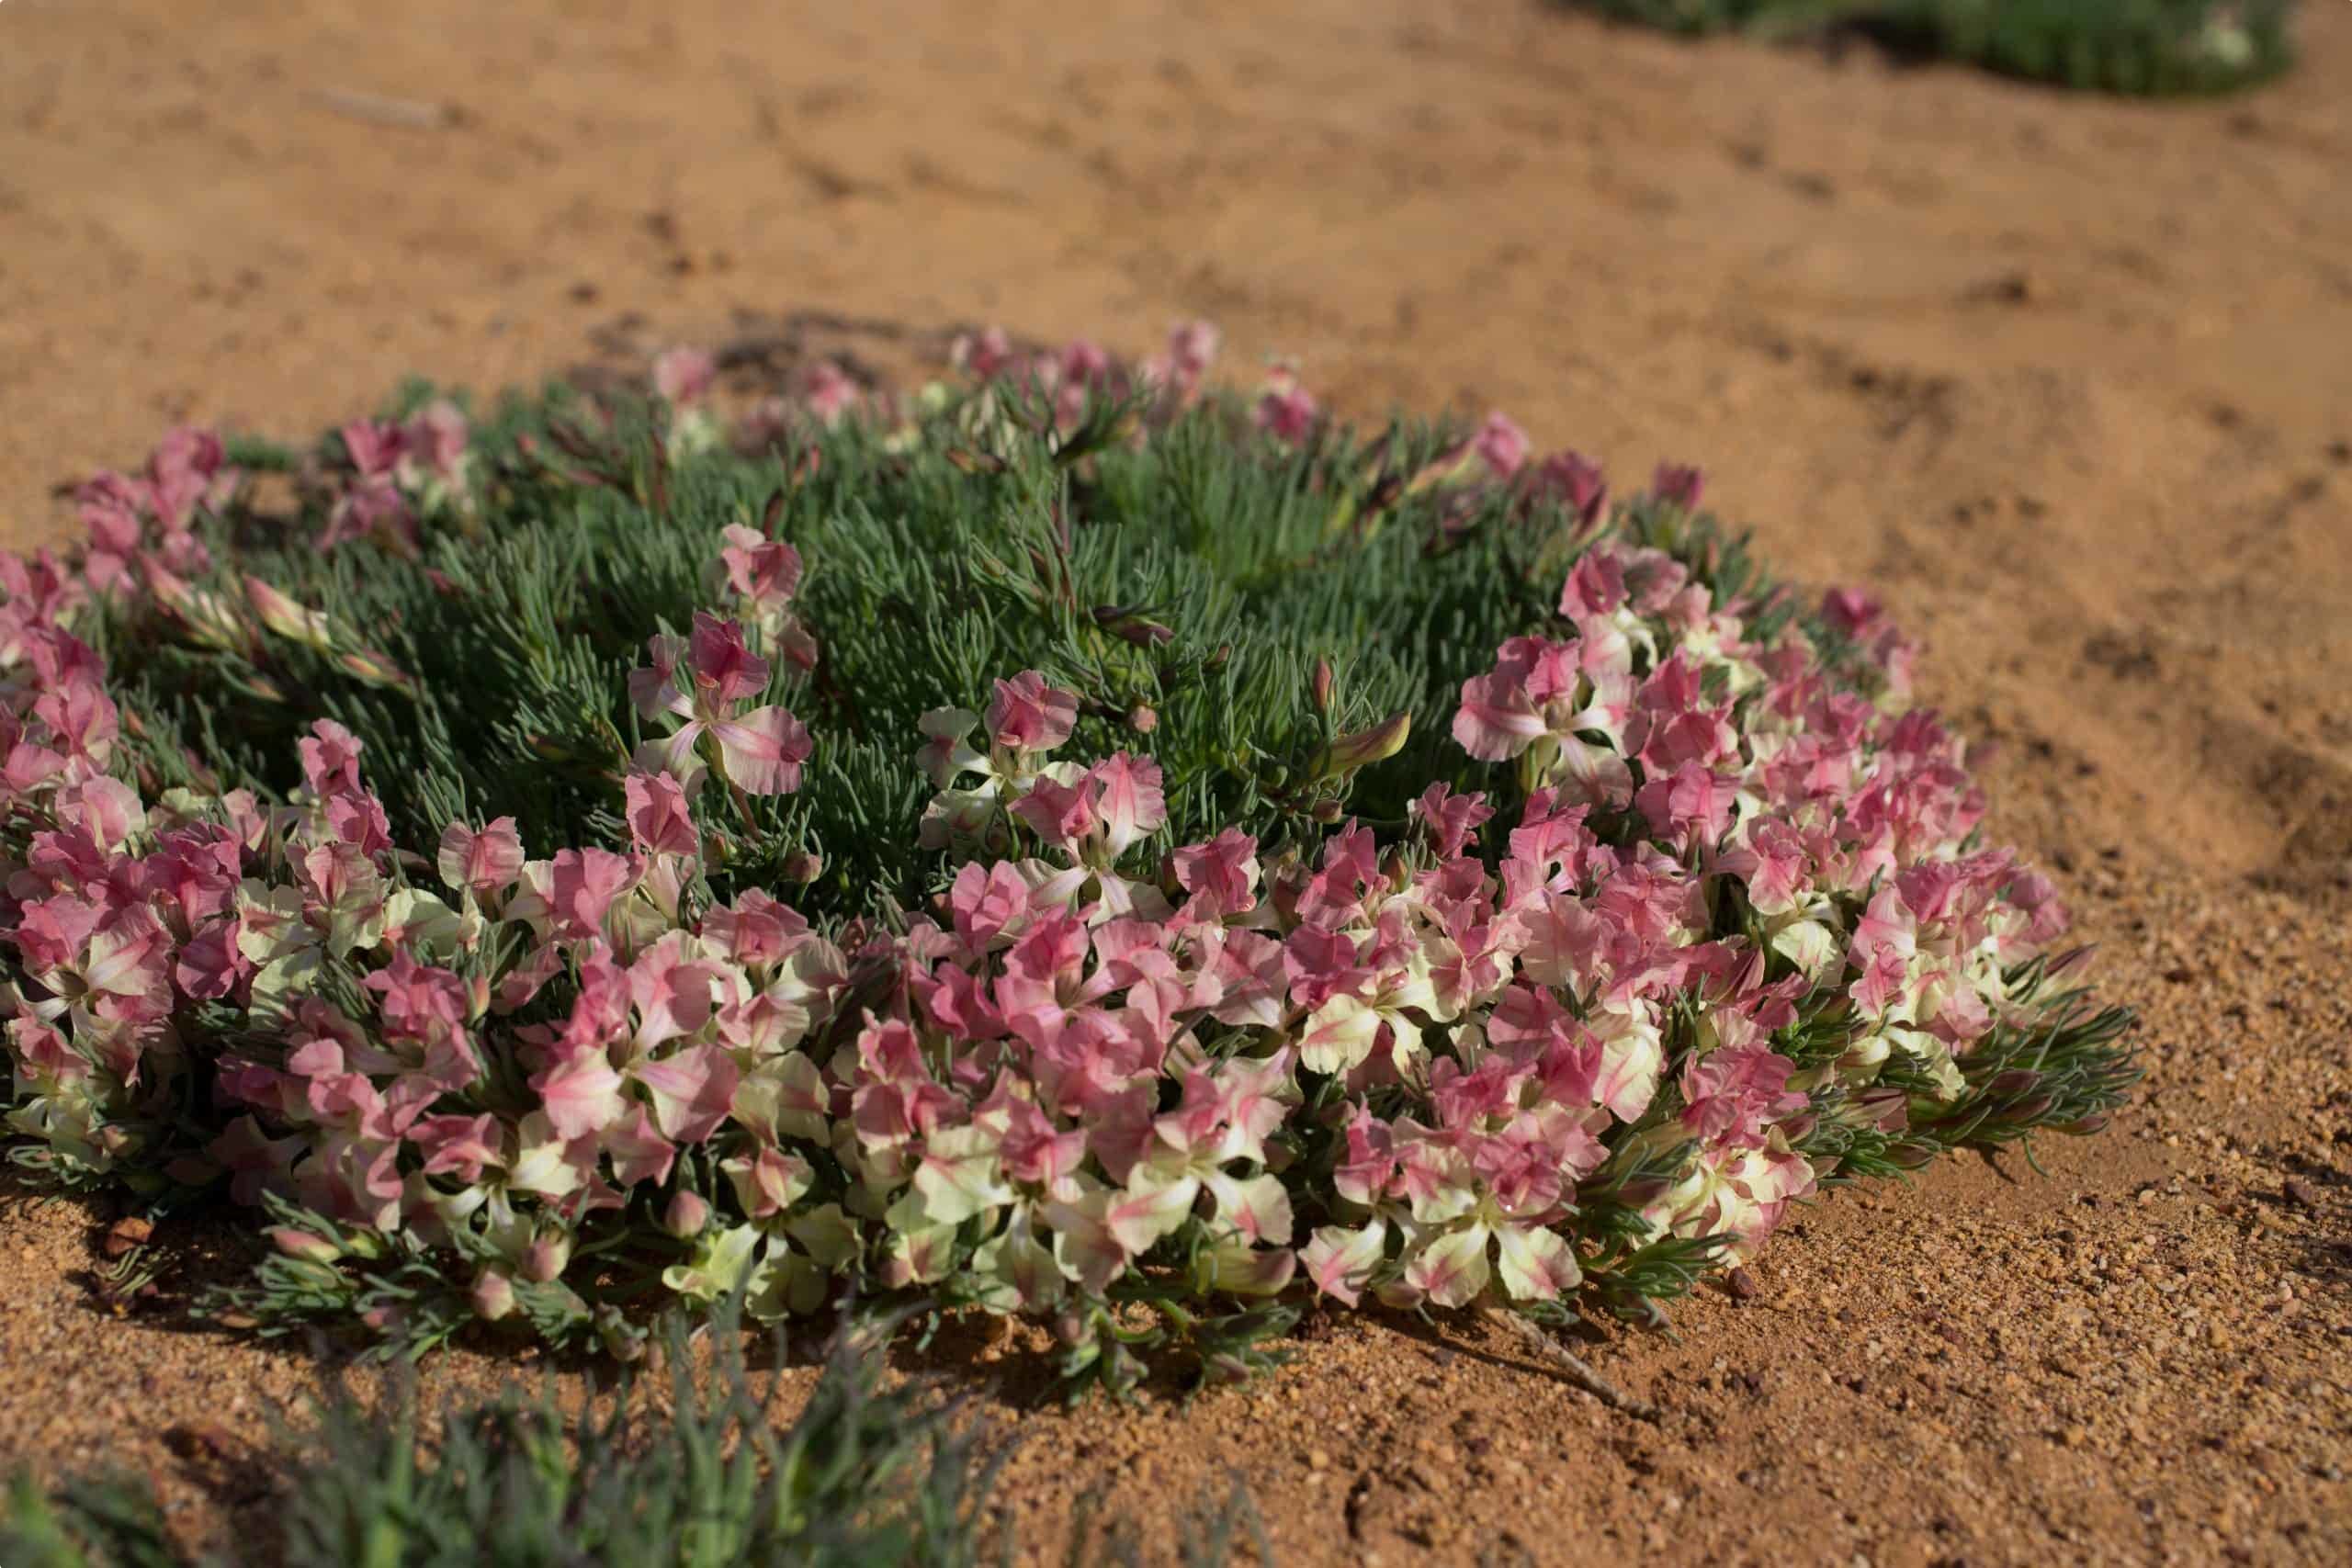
[(1572, 1366), (407, 114)]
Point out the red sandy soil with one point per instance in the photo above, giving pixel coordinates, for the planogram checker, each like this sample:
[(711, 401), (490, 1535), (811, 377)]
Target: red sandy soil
[(2069, 380)]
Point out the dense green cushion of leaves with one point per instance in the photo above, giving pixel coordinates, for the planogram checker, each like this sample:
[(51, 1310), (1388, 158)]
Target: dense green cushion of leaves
[(2121, 46), (1200, 577)]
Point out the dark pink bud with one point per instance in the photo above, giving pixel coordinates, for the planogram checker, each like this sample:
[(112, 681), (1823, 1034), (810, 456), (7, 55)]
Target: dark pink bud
[(686, 1215)]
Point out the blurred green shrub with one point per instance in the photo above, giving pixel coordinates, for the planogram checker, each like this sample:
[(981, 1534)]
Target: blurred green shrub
[(2152, 47)]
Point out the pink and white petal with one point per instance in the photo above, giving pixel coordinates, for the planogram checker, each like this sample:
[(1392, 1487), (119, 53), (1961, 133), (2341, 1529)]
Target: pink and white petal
[(1537, 1265), (1340, 1261), (764, 750), (1496, 721)]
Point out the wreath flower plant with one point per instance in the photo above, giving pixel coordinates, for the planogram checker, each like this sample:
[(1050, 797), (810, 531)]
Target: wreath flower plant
[(1071, 843)]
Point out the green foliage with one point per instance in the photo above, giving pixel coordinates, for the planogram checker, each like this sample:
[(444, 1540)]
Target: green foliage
[(670, 1467), (2156, 47), (1187, 587), (865, 1475)]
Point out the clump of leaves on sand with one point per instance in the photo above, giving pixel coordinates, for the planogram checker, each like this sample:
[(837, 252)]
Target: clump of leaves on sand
[(2156, 47)]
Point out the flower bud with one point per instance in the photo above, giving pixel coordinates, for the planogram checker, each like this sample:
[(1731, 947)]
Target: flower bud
[(802, 866), (2068, 962), (286, 618), (366, 664), (2016, 1080), (686, 1215), (306, 1245), (973, 462), (1139, 630), (1643, 1190), (1886, 1108), (1909, 1156), (2094, 1123), (546, 1257), (1365, 747), (1322, 685), (493, 1295), (2030, 1110), (1142, 718)]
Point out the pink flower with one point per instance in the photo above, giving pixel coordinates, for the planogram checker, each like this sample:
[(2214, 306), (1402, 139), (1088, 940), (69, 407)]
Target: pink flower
[(1060, 814), (330, 759), (988, 903), (582, 885), (1029, 715), (1772, 863), (988, 355), (1130, 800), (460, 1145), (374, 446), (487, 861), (1221, 875), (725, 671), (1286, 410), (1451, 820), (580, 1092), (1677, 485), (1733, 1094), (1501, 445), (1572, 482), (1690, 806), (658, 822), (373, 508), (763, 573), (1850, 610), (692, 1092), (1340, 1261), (110, 508), (829, 392), (1085, 364), (436, 437), (768, 1182), (684, 377), (1192, 348), (764, 750)]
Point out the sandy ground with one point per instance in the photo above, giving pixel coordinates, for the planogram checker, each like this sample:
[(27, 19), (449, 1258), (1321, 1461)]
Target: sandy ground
[(2070, 381)]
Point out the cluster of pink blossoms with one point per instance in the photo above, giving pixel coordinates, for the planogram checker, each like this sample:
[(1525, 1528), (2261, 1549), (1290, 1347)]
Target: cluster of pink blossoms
[(398, 472), (1382, 1069), (1082, 370)]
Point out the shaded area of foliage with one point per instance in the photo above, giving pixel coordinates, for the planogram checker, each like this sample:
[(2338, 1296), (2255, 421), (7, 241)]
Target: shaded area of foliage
[(686, 1466)]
